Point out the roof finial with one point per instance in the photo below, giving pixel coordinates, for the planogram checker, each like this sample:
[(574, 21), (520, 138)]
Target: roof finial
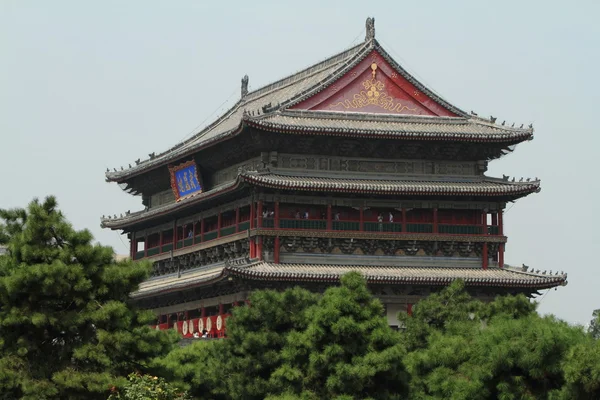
[(244, 85), (370, 29)]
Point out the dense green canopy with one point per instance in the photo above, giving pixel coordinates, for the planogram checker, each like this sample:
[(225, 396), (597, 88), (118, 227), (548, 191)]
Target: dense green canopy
[(66, 329)]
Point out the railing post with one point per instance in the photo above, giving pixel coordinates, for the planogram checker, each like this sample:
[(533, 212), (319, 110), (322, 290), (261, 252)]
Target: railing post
[(435, 220), (361, 221), (403, 219), (237, 219), (276, 221), (329, 224)]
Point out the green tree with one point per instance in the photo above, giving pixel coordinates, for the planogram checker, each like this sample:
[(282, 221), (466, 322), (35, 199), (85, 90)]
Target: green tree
[(498, 350), (142, 387), (347, 351), (66, 329)]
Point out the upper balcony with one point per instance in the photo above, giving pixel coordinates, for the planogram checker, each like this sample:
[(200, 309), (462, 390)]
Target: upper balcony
[(289, 218)]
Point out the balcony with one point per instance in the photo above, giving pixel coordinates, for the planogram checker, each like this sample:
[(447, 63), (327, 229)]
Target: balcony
[(464, 223)]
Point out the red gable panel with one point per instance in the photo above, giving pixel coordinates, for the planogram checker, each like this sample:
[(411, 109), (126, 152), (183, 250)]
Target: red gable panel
[(373, 86)]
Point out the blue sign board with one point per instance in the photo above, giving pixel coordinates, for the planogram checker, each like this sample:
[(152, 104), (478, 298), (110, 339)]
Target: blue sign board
[(184, 180)]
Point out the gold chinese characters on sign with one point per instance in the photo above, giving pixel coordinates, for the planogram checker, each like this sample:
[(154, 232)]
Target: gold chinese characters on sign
[(373, 94)]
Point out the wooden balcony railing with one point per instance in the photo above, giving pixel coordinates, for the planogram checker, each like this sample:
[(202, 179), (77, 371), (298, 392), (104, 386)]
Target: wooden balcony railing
[(322, 225)]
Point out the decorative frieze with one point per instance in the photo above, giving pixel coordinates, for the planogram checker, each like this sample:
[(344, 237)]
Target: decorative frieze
[(376, 166), (227, 252)]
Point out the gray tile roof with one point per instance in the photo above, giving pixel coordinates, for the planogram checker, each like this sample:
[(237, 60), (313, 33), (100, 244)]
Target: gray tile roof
[(268, 107), (436, 276), (448, 186), (395, 126), (505, 277)]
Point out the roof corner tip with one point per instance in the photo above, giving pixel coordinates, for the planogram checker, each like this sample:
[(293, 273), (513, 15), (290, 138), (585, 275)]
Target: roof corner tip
[(244, 86), (370, 29)]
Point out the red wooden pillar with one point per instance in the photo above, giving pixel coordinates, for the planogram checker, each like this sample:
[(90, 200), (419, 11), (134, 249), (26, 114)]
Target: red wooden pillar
[(494, 219), (219, 222), (133, 246), (221, 309), (501, 255), (484, 256), (276, 222), (251, 215), (361, 223), (329, 224), (276, 250), (194, 230), (409, 308), (500, 222), (403, 219), (237, 219), (202, 229), (202, 312), (252, 248), (484, 229), (259, 212), (435, 220)]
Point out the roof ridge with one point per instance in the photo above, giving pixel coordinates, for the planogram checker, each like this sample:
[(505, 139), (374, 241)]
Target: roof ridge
[(324, 64)]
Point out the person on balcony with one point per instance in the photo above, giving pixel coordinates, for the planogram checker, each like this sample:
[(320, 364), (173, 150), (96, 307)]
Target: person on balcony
[(297, 214), (390, 217), (306, 215), (336, 216), (190, 234)]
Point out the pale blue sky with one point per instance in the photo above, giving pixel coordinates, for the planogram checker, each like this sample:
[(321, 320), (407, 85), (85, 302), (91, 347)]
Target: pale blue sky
[(86, 85)]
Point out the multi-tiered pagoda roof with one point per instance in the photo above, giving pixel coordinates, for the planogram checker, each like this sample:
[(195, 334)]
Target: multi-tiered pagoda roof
[(357, 132)]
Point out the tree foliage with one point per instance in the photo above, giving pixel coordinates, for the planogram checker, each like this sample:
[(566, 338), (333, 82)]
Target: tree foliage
[(143, 387), (465, 349), (66, 329), (297, 344)]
